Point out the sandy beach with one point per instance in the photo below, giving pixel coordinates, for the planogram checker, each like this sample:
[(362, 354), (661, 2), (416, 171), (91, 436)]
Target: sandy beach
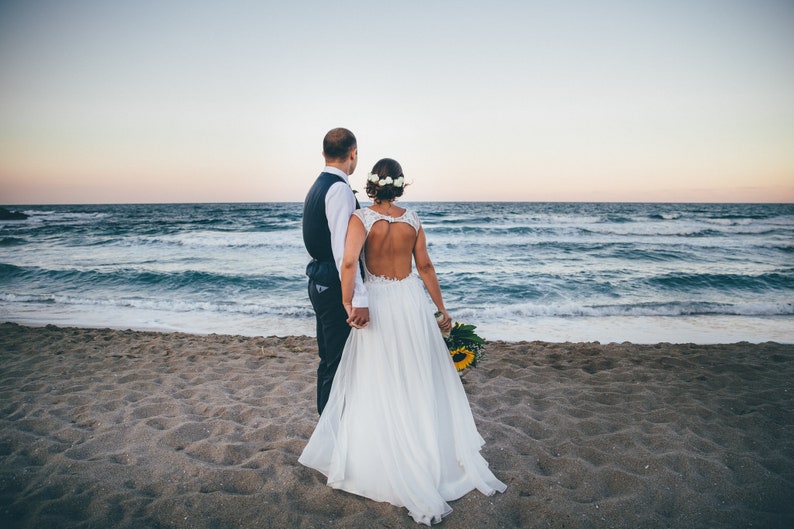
[(126, 429)]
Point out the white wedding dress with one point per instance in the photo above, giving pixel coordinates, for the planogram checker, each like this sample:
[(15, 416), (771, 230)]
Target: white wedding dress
[(397, 426)]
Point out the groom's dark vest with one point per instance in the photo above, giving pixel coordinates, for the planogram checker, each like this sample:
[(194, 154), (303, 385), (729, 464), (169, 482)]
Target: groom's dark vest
[(316, 235)]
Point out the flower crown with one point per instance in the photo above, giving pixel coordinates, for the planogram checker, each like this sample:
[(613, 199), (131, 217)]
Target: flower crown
[(385, 181)]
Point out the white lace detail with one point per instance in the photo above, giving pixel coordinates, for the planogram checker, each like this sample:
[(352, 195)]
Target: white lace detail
[(383, 280), (368, 217)]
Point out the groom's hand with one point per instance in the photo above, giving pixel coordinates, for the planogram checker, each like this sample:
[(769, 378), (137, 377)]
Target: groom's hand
[(358, 317)]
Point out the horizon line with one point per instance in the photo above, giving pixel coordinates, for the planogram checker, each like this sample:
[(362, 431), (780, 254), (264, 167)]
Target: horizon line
[(166, 203)]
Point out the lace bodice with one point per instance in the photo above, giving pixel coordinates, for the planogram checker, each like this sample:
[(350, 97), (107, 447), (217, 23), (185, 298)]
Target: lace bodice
[(368, 217)]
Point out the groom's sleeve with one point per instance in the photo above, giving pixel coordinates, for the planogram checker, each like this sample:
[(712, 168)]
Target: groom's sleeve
[(339, 206)]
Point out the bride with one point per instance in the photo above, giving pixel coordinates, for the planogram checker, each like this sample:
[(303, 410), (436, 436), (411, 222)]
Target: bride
[(397, 426)]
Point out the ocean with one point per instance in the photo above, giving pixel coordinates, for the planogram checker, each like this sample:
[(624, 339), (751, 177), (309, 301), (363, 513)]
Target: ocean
[(608, 272)]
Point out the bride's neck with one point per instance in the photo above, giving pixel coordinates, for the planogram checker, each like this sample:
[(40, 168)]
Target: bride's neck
[(383, 206)]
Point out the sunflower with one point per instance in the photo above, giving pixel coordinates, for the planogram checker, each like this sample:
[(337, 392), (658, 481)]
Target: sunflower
[(462, 358)]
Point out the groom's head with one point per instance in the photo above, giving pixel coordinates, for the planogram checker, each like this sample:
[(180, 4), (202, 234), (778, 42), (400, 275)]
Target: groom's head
[(340, 149)]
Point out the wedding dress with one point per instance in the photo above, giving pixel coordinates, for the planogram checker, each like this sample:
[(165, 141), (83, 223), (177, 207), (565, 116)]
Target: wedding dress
[(397, 426)]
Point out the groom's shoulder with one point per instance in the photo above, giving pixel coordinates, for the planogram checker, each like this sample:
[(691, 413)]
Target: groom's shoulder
[(328, 179), (321, 186), (324, 179)]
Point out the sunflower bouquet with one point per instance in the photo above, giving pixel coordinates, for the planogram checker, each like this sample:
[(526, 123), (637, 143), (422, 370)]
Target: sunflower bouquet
[(465, 346)]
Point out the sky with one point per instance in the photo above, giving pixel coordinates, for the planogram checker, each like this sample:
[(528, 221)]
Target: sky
[(107, 101)]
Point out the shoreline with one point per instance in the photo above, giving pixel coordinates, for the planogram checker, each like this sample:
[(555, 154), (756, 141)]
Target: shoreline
[(124, 428)]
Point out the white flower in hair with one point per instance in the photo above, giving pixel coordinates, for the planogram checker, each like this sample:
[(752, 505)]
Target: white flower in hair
[(399, 182), (388, 180), (382, 182), (373, 178)]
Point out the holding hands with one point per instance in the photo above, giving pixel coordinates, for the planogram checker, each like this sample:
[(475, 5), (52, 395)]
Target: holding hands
[(357, 317)]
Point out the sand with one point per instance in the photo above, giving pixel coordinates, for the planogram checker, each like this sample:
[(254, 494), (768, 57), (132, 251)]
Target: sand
[(107, 428)]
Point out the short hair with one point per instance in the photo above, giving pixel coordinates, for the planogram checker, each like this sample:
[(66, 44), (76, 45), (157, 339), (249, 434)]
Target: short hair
[(383, 168), (338, 144)]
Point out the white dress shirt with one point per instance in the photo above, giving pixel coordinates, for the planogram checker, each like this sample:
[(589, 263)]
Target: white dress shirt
[(339, 206)]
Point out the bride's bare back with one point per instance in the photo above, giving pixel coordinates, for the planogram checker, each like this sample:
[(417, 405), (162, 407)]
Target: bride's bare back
[(389, 247)]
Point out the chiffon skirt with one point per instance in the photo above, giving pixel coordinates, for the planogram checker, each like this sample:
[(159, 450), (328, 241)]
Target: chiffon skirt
[(397, 426)]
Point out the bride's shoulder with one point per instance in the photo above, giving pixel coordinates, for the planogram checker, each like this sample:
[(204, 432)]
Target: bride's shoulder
[(365, 212), (366, 216), (412, 218)]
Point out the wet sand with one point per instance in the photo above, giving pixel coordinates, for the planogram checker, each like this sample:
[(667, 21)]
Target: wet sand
[(126, 429)]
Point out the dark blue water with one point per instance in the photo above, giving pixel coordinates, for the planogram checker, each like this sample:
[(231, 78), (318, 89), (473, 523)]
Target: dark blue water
[(553, 271)]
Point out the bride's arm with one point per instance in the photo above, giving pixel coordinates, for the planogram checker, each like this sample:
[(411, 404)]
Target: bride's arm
[(426, 270), (354, 241)]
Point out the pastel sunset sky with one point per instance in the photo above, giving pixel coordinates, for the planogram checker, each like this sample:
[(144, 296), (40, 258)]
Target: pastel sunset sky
[(107, 101)]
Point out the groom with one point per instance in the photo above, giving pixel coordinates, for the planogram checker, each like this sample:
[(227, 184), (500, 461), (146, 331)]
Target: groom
[(326, 212)]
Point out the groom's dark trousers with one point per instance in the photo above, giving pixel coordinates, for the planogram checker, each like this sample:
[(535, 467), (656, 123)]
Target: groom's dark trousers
[(325, 291), (332, 332)]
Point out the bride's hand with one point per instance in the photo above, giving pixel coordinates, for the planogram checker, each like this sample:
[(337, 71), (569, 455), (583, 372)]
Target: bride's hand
[(445, 322)]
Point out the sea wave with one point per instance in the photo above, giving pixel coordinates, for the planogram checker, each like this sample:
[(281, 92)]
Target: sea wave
[(273, 308), (642, 231), (483, 313), (129, 279), (272, 240), (36, 215), (689, 282), (12, 241), (522, 311), (665, 216)]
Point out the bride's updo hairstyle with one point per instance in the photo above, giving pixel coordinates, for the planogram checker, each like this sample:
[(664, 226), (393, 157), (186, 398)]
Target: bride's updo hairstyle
[(386, 181)]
